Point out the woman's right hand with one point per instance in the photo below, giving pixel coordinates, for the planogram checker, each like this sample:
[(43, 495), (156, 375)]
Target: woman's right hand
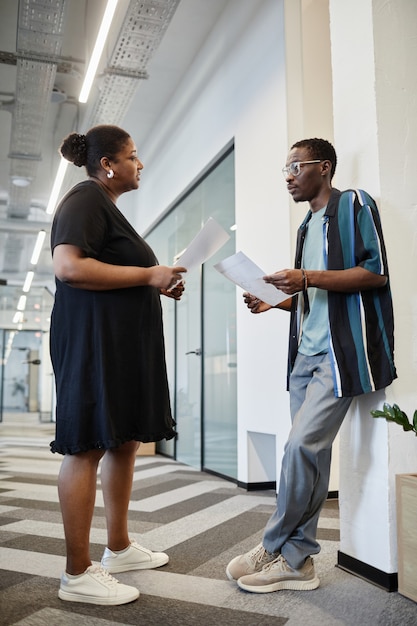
[(254, 304), (164, 277)]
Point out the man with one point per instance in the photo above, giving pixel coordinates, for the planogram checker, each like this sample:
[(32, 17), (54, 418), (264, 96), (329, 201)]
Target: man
[(341, 346)]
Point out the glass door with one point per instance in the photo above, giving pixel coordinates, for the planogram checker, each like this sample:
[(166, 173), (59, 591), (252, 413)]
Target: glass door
[(189, 216), (188, 373), (26, 381), (20, 390), (220, 370), (201, 329), (219, 395)]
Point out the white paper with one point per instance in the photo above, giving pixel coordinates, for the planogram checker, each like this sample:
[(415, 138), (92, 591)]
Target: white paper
[(243, 272), (206, 243)]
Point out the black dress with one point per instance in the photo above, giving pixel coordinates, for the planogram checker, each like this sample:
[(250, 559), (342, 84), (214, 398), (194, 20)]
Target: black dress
[(107, 347)]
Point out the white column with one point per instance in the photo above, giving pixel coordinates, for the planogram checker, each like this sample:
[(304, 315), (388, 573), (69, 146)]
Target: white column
[(375, 130)]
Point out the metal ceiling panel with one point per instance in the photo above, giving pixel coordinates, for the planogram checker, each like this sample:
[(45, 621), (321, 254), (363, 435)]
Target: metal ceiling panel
[(40, 33), (144, 26), (39, 41)]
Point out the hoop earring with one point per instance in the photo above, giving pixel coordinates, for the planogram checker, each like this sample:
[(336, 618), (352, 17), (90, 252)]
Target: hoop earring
[(110, 173)]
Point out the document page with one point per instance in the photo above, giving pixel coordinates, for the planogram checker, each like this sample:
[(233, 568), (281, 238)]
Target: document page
[(243, 272), (206, 243)]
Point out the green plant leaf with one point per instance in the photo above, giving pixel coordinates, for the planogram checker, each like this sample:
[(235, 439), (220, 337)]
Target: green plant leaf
[(395, 414), (390, 410), (415, 421), (402, 419)]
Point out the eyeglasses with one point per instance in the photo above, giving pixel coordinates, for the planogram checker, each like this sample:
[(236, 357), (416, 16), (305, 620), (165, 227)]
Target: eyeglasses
[(295, 168)]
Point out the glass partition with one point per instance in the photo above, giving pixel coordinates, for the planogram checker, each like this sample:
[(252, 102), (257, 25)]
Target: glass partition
[(25, 370), (200, 330)]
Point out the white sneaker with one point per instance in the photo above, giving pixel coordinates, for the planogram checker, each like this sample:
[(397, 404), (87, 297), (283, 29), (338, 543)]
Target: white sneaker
[(95, 586), (133, 557)]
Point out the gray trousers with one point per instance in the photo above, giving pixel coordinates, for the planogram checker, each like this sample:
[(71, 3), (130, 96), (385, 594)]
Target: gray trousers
[(316, 416)]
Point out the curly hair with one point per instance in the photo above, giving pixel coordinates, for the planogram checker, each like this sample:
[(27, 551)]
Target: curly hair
[(319, 149), (100, 141)]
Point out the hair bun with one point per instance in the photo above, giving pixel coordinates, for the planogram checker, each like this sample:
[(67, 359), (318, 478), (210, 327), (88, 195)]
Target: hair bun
[(74, 149)]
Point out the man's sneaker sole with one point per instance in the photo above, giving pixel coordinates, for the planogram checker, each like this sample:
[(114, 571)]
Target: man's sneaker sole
[(294, 585), (229, 575)]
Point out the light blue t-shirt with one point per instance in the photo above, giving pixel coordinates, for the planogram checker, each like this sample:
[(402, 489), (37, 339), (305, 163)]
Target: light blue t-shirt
[(315, 328)]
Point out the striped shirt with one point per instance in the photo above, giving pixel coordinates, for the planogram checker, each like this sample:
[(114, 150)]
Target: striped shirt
[(361, 324)]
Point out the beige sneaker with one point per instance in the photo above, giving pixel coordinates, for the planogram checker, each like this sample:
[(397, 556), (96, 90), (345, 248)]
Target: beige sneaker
[(279, 575), (249, 563)]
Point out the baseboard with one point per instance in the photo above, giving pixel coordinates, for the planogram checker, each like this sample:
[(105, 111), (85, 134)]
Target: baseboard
[(258, 486), (219, 474), (377, 577), (332, 495)]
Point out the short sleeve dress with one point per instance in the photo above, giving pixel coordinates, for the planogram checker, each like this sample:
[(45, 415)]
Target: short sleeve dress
[(107, 347)]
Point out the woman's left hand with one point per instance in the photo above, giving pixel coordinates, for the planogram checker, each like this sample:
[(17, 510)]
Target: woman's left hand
[(176, 292)]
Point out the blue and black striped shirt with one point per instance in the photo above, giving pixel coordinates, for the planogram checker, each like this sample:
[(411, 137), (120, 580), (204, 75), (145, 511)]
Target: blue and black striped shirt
[(361, 324)]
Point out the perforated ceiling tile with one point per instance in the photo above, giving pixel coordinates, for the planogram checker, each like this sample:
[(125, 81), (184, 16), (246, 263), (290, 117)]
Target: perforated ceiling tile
[(39, 41)]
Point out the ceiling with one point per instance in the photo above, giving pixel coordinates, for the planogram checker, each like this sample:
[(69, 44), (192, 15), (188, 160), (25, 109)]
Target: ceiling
[(45, 46)]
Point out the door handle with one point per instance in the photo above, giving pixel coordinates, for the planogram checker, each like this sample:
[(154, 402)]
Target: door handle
[(197, 351)]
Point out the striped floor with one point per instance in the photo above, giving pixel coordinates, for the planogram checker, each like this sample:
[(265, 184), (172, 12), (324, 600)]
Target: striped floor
[(200, 520)]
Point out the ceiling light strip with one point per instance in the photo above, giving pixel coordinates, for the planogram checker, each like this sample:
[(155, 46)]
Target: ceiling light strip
[(98, 49), (59, 179), (38, 247), (28, 282)]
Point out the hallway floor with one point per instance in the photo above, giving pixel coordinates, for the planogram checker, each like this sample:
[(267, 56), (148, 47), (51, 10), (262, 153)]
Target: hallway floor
[(201, 521)]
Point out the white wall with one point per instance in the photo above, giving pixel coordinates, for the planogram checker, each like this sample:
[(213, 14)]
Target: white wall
[(236, 89), (375, 89)]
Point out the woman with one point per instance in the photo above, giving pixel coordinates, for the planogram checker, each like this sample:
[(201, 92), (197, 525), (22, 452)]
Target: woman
[(107, 351)]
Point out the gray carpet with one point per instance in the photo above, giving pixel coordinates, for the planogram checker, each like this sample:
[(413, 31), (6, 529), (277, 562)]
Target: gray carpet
[(200, 520)]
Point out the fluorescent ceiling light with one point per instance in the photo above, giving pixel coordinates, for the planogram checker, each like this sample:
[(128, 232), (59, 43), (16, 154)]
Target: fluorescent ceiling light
[(18, 317), (21, 305), (85, 90), (28, 282), (59, 179), (98, 49), (38, 247), (21, 181)]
